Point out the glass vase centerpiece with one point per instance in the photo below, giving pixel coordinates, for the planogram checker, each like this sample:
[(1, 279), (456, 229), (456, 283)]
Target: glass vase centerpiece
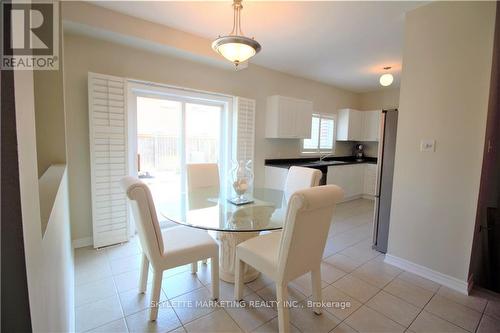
[(242, 181)]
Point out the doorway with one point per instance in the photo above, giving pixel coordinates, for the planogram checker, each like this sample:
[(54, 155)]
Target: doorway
[(172, 128)]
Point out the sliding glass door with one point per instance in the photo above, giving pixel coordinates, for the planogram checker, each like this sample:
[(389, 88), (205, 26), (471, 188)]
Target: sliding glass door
[(173, 131)]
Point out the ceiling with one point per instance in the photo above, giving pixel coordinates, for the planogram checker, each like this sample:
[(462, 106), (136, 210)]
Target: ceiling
[(345, 44)]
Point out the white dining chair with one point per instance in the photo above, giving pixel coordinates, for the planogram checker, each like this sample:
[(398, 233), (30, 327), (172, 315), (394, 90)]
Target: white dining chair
[(202, 175), (297, 250), (167, 248), (299, 178)]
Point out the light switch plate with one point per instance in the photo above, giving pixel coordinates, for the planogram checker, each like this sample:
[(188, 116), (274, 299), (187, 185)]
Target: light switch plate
[(428, 146)]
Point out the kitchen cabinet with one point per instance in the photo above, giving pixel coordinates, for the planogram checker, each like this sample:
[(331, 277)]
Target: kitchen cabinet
[(371, 125), (349, 125), (370, 179), (350, 177), (288, 118), (354, 125), (357, 180)]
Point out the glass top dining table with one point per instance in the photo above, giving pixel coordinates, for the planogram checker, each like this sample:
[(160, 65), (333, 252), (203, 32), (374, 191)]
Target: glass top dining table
[(210, 209)]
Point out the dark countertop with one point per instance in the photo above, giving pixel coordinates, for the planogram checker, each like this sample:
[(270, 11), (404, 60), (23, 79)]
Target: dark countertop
[(315, 163)]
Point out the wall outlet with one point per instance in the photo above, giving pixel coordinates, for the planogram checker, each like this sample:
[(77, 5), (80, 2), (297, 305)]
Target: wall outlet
[(428, 146)]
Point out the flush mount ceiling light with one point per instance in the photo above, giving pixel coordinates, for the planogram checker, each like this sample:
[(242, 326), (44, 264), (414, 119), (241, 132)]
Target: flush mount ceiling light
[(235, 47), (387, 78)]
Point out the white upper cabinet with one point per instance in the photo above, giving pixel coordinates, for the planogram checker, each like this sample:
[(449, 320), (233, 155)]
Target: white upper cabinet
[(288, 118), (371, 125), (349, 125), (354, 125)]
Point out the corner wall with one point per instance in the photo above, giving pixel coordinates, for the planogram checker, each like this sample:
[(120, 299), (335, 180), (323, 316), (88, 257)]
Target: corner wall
[(444, 96)]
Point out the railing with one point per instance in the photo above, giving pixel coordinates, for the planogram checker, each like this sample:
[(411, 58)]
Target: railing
[(162, 152)]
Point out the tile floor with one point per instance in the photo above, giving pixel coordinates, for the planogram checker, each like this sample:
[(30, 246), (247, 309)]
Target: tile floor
[(365, 294)]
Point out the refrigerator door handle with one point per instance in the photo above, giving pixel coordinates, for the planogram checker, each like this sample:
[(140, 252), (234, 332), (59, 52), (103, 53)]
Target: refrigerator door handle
[(380, 153)]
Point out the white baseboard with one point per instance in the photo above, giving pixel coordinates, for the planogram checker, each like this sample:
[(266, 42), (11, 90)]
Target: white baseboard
[(82, 242), (443, 279)]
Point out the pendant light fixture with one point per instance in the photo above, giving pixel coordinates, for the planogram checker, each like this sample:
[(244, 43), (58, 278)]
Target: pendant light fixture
[(235, 47), (387, 78)]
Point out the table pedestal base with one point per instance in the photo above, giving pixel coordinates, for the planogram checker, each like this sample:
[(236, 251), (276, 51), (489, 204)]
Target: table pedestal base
[(227, 260)]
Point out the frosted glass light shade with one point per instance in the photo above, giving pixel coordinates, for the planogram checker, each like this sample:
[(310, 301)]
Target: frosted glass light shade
[(386, 79), (236, 49)]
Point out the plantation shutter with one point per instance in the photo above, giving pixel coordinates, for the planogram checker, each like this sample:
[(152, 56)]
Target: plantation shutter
[(244, 128), (108, 158)]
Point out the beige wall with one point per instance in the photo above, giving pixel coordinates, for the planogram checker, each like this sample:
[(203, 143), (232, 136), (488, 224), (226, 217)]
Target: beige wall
[(387, 98), (444, 95), (84, 54), (49, 113)]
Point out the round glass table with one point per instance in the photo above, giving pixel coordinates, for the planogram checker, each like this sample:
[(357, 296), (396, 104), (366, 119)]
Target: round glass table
[(210, 209)]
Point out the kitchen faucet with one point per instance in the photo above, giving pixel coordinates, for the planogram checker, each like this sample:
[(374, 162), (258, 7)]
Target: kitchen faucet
[(322, 157)]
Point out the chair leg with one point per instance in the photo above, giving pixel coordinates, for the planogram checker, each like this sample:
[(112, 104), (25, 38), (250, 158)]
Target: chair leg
[(238, 278), (316, 289), (283, 311), (194, 267), (215, 277), (143, 282), (155, 295)]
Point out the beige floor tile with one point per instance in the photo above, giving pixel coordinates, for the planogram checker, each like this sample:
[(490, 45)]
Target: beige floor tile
[(356, 288), (126, 264), (272, 327), (419, 281), (260, 282), (473, 301), (343, 328), (93, 315), (307, 321), (117, 326), (215, 322), (252, 313), (338, 303), (394, 308), (409, 292), (453, 312), (330, 273), (193, 305), (93, 269), (361, 253), (343, 263), (94, 291), (226, 291), (132, 301), (166, 321), (180, 284), (493, 309), (427, 323), (268, 294), (368, 320), (375, 273), (489, 325), (304, 285), (123, 250), (129, 280)]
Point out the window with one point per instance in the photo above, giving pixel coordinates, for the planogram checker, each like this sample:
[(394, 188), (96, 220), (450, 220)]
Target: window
[(322, 135)]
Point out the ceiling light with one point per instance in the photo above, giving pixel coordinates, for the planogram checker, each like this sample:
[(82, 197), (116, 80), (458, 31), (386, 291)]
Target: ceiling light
[(235, 47), (387, 78)]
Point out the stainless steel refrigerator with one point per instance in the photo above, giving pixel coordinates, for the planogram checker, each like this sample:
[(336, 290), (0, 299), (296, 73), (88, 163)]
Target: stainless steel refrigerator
[(385, 171)]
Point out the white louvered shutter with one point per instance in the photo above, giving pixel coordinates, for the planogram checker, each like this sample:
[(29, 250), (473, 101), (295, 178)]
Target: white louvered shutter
[(244, 128), (108, 158)]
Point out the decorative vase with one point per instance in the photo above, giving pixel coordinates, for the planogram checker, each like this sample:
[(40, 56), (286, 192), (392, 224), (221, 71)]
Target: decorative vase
[(242, 179)]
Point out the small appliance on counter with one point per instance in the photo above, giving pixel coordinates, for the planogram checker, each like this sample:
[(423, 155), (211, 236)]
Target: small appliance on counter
[(358, 152)]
